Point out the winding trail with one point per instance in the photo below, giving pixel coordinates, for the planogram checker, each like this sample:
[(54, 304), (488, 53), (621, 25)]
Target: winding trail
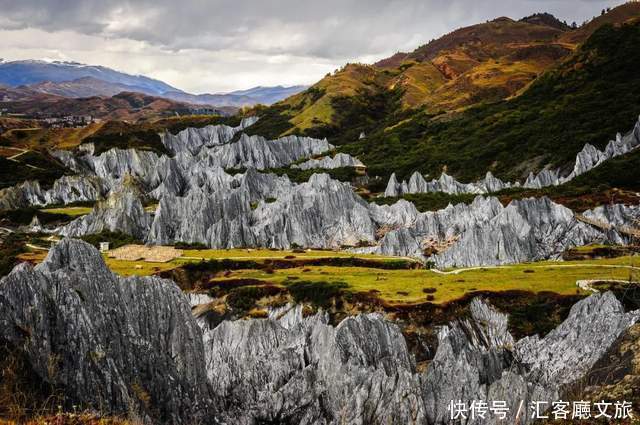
[(559, 265)]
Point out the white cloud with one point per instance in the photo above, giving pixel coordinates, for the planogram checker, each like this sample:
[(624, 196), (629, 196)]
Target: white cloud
[(221, 45)]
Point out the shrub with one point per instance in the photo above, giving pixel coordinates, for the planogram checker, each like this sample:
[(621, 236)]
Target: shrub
[(244, 298), (319, 294)]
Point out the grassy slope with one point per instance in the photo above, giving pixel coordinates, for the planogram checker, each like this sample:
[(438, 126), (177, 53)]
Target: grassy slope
[(48, 169), (483, 62), (585, 100), (406, 286), (398, 286)]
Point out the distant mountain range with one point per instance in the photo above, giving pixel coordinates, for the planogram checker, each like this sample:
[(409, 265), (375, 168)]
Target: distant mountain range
[(125, 105), (75, 80)]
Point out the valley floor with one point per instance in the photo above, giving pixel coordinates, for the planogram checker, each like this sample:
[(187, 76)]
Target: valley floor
[(393, 280)]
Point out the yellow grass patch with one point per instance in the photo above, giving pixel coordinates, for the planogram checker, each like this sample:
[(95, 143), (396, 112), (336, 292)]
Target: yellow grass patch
[(70, 211)]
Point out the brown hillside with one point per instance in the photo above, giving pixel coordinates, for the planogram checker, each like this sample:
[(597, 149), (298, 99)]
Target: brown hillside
[(480, 63), (616, 16)]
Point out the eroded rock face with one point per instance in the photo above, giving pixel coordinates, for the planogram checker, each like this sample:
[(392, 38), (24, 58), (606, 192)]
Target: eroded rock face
[(295, 370), (198, 155), (110, 342), (114, 342), (192, 140), (260, 153), (486, 233), (327, 163), (121, 212), (446, 184), (267, 211), (65, 190), (478, 360)]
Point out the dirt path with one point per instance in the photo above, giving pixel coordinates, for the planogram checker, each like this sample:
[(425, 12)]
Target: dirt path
[(587, 285), (303, 257), (22, 152), (610, 266), (32, 246)]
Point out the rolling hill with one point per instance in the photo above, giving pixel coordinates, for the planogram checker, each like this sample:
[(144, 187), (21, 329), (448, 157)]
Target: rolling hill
[(497, 99), (75, 80), (482, 63), (130, 106)]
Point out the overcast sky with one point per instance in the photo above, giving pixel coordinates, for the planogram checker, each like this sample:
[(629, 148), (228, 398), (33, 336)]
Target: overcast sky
[(221, 45)]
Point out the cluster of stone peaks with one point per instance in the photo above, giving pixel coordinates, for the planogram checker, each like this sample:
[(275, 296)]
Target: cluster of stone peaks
[(197, 201), (588, 158), (131, 347)]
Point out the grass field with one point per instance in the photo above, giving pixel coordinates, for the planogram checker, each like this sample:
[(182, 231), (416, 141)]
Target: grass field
[(142, 268), (398, 286), (70, 211), (407, 286)]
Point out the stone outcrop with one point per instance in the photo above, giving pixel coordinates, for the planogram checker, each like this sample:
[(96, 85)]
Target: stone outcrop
[(124, 346), (486, 233), (260, 153), (65, 190), (303, 370), (588, 158), (114, 342), (198, 155), (192, 139), (477, 359), (122, 212), (446, 184), (340, 160), (263, 210)]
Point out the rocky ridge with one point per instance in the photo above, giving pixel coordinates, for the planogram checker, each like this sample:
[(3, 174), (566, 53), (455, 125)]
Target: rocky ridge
[(265, 210), (110, 342), (588, 158), (327, 163), (115, 339), (486, 233), (65, 190), (197, 153), (122, 211)]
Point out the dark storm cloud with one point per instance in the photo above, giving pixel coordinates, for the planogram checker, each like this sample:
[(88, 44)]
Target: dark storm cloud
[(335, 29)]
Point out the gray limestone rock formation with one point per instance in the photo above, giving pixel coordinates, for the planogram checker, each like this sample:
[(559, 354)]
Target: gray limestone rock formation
[(194, 139), (199, 153), (477, 359), (446, 184), (260, 153), (122, 211), (65, 190), (264, 210), (486, 233), (327, 163), (305, 371), (123, 346), (116, 342)]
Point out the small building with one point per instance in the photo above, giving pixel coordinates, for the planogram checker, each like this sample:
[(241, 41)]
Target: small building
[(361, 169), (104, 246)]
